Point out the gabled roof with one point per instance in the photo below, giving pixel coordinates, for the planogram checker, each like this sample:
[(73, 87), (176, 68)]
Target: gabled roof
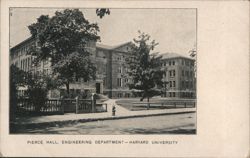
[(174, 55), (103, 46)]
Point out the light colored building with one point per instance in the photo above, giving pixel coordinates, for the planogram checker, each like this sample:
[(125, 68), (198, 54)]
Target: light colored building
[(179, 77)]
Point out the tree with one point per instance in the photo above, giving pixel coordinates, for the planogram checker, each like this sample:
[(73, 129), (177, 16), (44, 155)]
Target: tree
[(102, 11), (18, 78), (145, 68), (37, 89), (63, 39)]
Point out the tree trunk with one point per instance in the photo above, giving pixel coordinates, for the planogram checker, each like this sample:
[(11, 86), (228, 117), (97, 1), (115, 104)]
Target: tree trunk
[(67, 88), (148, 104), (143, 96)]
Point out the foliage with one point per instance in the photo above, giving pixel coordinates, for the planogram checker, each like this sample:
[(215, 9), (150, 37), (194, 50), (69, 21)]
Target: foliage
[(102, 11), (63, 39), (37, 89), (145, 67), (18, 78)]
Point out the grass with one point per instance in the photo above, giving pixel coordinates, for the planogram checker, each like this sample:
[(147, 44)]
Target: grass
[(134, 104)]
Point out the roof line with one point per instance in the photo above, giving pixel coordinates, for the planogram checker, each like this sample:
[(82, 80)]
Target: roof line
[(19, 44)]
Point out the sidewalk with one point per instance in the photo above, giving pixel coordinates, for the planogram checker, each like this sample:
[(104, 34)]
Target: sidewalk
[(121, 113)]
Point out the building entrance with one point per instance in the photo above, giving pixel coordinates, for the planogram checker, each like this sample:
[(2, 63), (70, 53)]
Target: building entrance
[(98, 88)]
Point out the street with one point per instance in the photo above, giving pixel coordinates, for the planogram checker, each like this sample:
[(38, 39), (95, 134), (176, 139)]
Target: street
[(165, 124)]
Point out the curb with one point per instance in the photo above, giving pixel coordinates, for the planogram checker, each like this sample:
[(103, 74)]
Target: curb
[(65, 122)]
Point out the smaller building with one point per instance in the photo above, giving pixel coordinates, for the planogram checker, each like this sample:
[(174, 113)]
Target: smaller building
[(179, 78)]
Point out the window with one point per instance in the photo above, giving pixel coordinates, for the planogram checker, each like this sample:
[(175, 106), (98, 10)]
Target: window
[(119, 95), (25, 64), (119, 58), (119, 82), (182, 62), (192, 63), (182, 72), (170, 73), (21, 64), (173, 94), (120, 69), (173, 83), (104, 81), (183, 84), (126, 80), (187, 85), (126, 70), (173, 63), (170, 83), (170, 94), (173, 72), (169, 63)]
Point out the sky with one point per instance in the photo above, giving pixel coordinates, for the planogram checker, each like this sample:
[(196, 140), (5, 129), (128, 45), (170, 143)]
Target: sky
[(173, 29)]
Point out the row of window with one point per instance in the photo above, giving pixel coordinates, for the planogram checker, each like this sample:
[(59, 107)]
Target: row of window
[(187, 84), (120, 82), (171, 73), (173, 62), (120, 70), (169, 63), (171, 94), (182, 94), (187, 73), (126, 95), (172, 84), (25, 64), (23, 50)]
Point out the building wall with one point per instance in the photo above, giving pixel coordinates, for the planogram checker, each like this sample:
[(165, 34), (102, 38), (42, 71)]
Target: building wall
[(119, 73), (112, 71), (180, 77)]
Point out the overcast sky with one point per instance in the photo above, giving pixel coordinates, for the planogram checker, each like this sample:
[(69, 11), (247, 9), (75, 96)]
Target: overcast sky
[(173, 29)]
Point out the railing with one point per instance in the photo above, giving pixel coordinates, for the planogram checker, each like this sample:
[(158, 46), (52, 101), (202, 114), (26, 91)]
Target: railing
[(56, 106), (52, 106), (167, 104), (84, 106), (179, 104), (69, 105)]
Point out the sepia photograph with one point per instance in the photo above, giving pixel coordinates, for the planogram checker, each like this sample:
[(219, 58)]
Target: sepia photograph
[(102, 71), (135, 78)]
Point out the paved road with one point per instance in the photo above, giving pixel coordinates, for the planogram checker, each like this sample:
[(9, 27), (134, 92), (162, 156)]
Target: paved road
[(166, 124)]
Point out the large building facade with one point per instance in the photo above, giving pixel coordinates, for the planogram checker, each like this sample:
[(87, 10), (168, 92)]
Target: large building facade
[(111, 75), (109, 61)]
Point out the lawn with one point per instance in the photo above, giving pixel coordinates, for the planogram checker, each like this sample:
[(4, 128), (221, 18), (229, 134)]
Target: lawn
[(134, 104)]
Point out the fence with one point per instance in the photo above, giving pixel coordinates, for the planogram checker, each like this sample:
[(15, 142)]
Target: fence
[(166, 104), (60, 106)]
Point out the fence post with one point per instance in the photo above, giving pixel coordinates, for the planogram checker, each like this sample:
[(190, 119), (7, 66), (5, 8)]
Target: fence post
[(77, 104), (93, 102)]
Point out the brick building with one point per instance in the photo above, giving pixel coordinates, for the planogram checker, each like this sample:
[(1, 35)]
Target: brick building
[(109, 61), (111, 75)]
